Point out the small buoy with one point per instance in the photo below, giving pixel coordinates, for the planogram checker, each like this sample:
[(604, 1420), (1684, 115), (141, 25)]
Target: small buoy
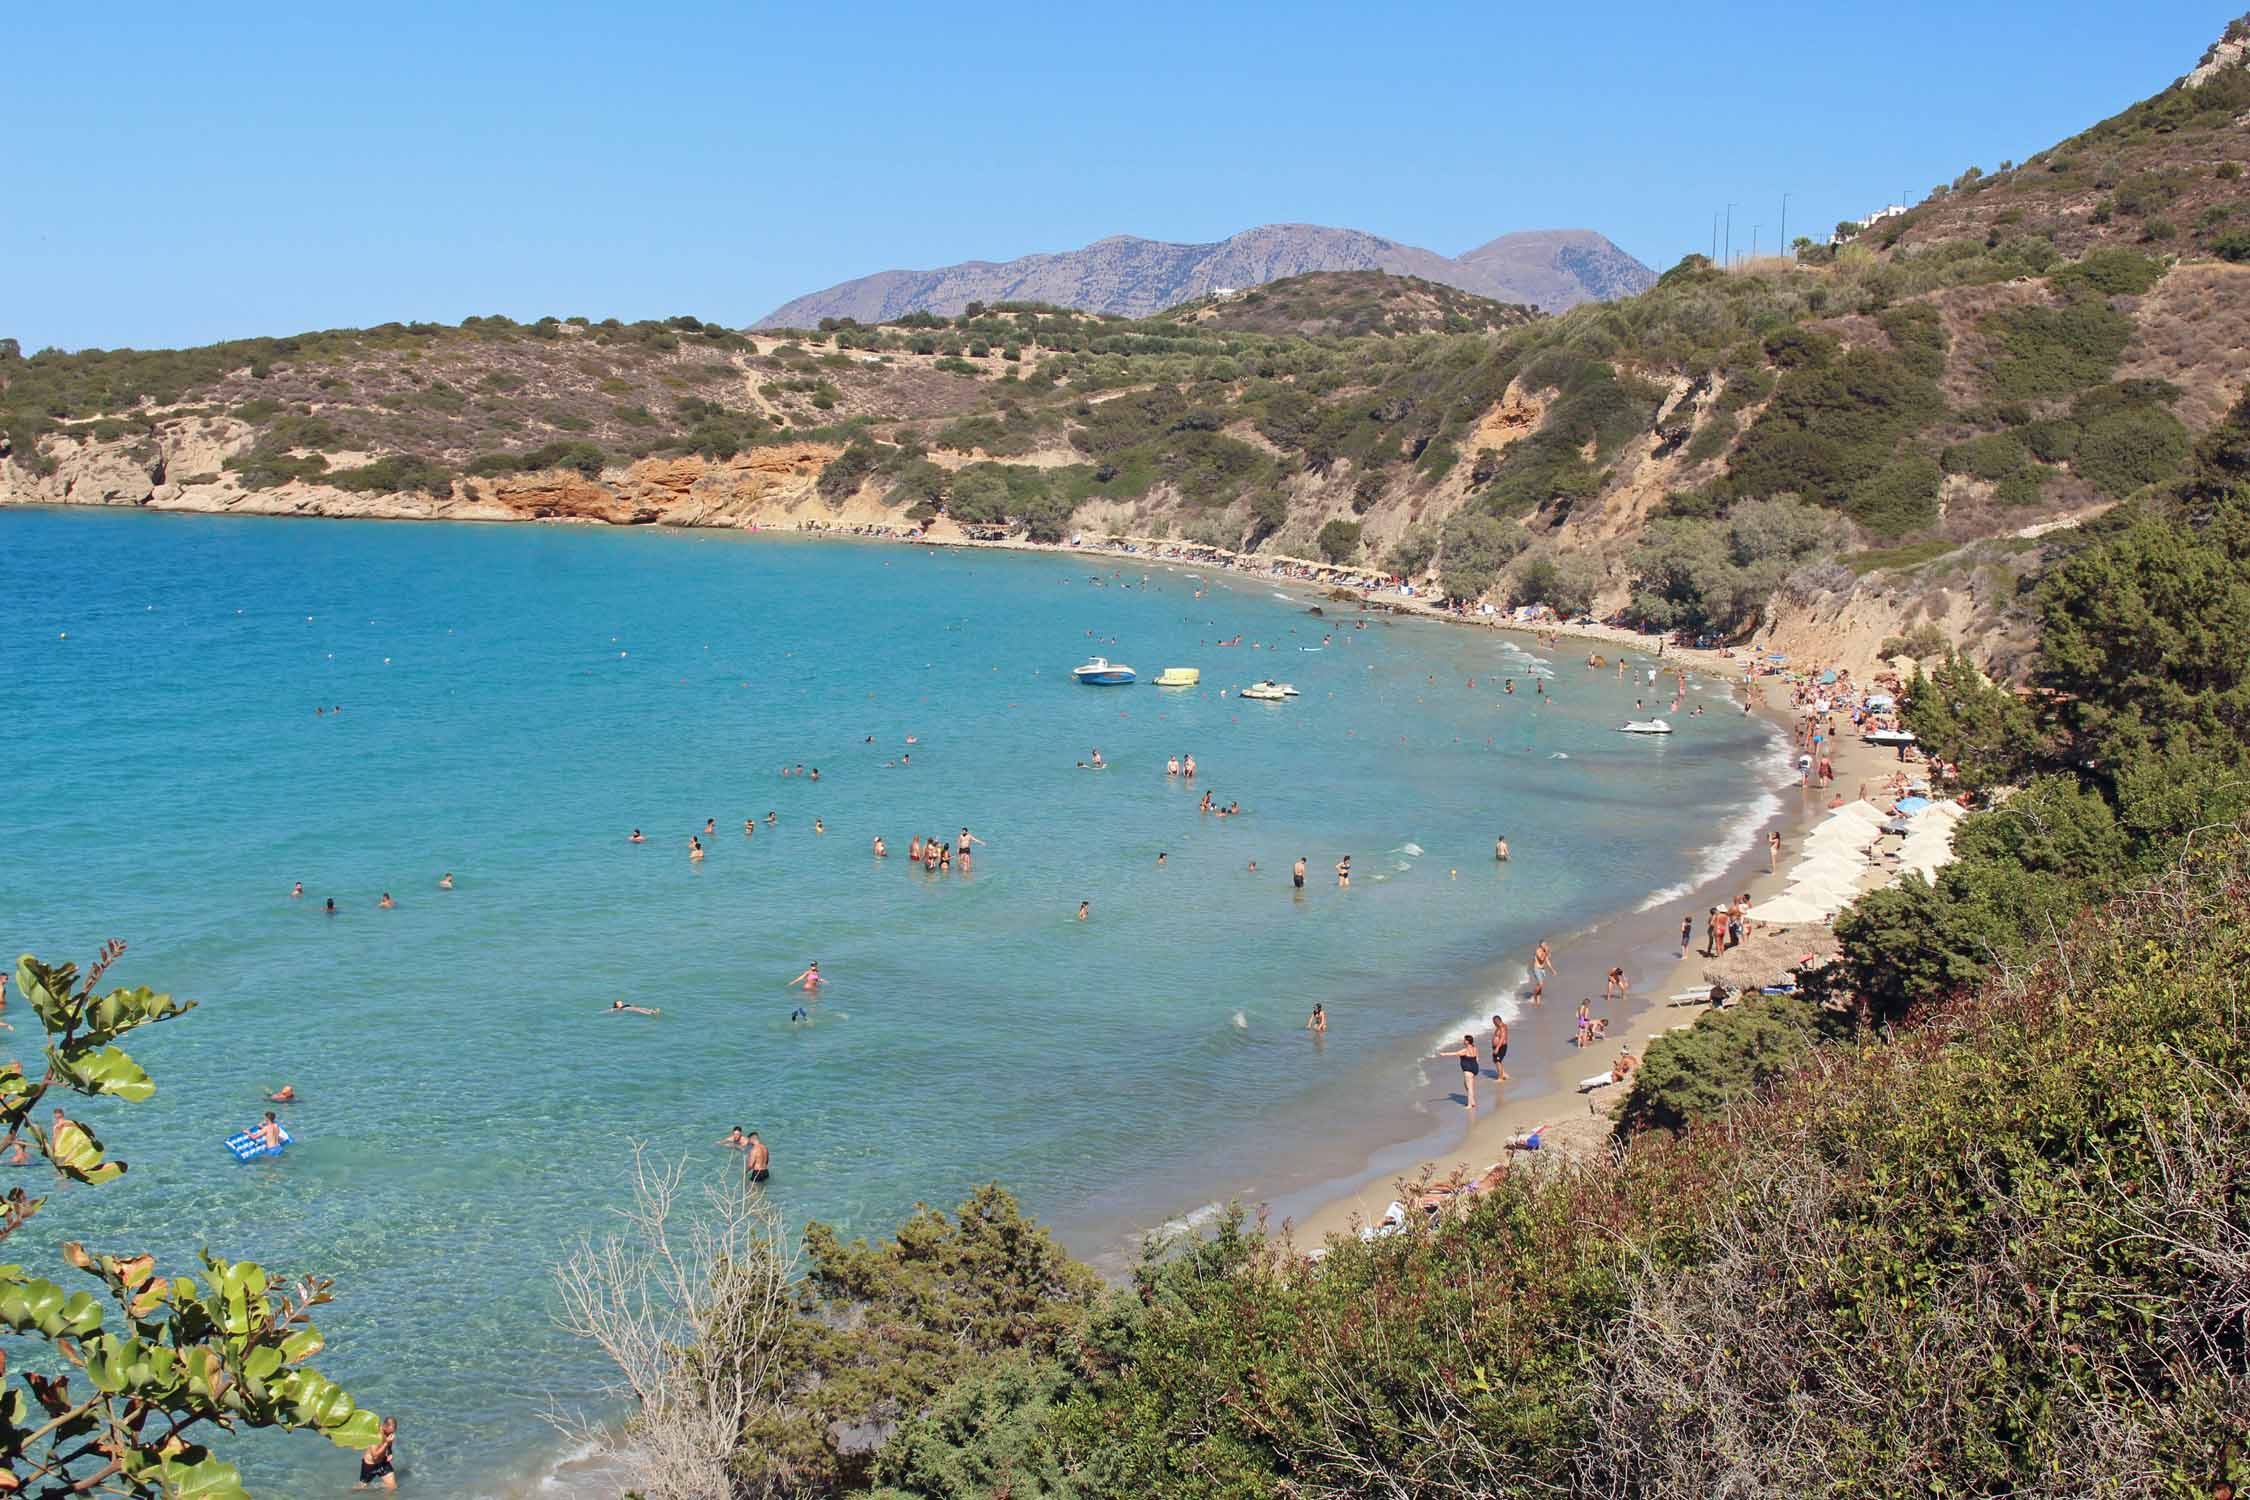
[(62, 635)]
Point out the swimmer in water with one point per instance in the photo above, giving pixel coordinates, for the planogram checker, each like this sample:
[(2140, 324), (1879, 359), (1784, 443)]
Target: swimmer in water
[(735, 1140), (1172, 766), (386, 903), (914, 847), (818, 826), (1096, 762), (1160, 860), (710, 825), (881, 852), (1253, 867), (445, 881), (1500, 849), (1083, 908), (810, 979), (772, 818), (749, 828), (297, 891), (619, 1007), (635, 837), (331, 907), (286, 1094), (1344, 873), (695, 848), (1317, 1022), (1297, 873), (268, 1132)]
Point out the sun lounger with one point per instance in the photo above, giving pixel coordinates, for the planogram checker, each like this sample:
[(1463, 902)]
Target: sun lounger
[(1598, 1081)]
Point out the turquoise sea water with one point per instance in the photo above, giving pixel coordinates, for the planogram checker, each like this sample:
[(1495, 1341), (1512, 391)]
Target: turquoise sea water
[(515, 700)]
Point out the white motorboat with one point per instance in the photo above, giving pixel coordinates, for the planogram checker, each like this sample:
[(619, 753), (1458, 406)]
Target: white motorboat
[(1269, 691), (1100, 671), (1644, 726)]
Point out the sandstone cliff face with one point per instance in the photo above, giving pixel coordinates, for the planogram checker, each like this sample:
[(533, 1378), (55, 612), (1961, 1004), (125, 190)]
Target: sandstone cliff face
[(182, 469)]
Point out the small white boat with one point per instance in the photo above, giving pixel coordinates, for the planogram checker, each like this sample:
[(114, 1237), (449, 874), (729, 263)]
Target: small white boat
[(1100, 671), (1269, 691), (1888, 737), (1644, 726), (1179, 677)]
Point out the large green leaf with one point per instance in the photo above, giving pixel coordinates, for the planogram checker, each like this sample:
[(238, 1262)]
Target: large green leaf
[(105, 1070), (77, 1153), (208, 1479), (119, 1011), (48, 990)]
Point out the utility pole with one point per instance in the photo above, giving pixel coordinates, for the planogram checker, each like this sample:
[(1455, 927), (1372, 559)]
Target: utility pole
[(1754, 240), (1785, 223), (1714, 236), (1730, 237)]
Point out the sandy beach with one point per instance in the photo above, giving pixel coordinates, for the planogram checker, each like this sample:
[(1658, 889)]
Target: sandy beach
[(1543, 1089)]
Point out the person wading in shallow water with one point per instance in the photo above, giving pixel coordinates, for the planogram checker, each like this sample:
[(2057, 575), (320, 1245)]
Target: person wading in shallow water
[(1467, 1053), (376, 1463)]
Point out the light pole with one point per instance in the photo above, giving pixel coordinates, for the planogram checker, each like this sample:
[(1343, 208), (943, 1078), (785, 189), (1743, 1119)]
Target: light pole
[(1754, 240), (1730, 237), (1714, 236), (1785, 223)]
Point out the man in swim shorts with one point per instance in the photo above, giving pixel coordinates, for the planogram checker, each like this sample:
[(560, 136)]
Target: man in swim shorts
[(759, 1162), (1297, 873), (376, 1463)]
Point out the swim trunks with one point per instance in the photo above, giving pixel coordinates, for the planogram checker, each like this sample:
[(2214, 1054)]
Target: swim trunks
[(758, 1174), (370, 1472), (1499, 1054), (1298, 880)]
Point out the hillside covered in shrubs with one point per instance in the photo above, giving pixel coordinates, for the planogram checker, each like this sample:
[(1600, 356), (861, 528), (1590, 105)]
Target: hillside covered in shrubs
[(1894, 429)]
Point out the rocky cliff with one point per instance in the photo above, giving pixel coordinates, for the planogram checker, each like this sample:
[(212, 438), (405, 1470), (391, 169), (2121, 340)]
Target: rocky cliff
[(1132, 277)]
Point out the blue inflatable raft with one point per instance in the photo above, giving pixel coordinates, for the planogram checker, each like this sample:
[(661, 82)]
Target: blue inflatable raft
[(247, 1146)]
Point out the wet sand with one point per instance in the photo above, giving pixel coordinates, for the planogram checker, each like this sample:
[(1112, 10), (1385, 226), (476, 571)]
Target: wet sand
[(1544, 1063)]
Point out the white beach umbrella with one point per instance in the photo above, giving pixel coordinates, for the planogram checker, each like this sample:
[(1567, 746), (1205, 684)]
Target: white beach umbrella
[(1838, 840), (1861, 809), (1942, 812), (1833, 894), (1828, 862), (1789, 907)]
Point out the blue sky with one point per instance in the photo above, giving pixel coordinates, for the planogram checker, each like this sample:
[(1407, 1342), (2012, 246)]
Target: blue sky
[(181, 174)]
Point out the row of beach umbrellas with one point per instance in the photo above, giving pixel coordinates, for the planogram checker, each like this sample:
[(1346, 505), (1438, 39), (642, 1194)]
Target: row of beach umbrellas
[(1834, 866)]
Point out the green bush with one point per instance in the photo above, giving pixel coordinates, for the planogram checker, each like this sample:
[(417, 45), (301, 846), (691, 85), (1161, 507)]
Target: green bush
[(1899, 498), (397, 473), (2048, 352), (2109, 273), (2053, 441), (1339, 540), (2128, 440), (1723, 1060), (2234, 245), (1993, 457)]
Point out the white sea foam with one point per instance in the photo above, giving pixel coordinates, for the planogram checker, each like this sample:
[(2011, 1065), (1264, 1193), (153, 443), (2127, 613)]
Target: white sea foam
[(1412, 850), (1241, 1022), (1771, 770), (1187, 1223), (1507, 1005), (1560, 755)]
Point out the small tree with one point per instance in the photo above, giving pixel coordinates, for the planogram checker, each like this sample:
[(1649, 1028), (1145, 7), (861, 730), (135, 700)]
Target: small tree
[(1339, 540), (227, 1351), (690, 1300)]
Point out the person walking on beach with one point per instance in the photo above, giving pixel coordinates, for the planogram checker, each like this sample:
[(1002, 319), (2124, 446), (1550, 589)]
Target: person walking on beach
[(1615, 986), (1585, 1020), (1687, 934), (1773, 851), (1499, 1048), (377, 1465), (1467, 1054), (1543, 958)]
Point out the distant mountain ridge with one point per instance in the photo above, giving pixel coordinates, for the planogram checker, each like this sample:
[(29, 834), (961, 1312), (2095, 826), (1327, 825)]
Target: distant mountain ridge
[(1551, 269)]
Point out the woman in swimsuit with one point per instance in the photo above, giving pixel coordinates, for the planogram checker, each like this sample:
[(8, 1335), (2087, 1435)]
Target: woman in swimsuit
[(1467, 1053), (695, 848), (914, 847), (1344, 873)]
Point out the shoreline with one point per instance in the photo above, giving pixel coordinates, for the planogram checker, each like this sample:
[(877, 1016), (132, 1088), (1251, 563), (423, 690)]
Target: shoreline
[(1545, 1093)]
